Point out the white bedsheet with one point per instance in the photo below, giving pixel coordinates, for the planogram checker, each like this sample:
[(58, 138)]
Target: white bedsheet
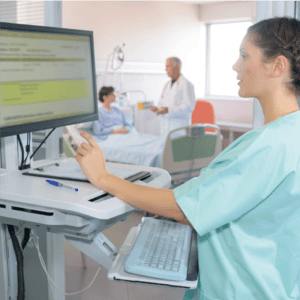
[(132, 148)]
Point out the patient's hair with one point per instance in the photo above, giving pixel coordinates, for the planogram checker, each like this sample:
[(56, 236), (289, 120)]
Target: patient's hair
[(105, 91), (176, 60), (279, 36)]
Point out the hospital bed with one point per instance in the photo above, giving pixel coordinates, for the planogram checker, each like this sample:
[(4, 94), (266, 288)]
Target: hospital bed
[(182, 153), (131, 148)]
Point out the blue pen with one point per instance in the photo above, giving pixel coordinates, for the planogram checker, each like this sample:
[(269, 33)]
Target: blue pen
[(61, 185)]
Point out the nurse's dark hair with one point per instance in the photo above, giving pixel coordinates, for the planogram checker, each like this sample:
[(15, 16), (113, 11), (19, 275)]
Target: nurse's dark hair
[(279, 36), (105, 91)]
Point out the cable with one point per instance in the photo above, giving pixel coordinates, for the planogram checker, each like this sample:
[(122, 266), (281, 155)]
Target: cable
[(26, 237), (36, 243), (22, 151), (27, 148), (20, 261), (43, 141)]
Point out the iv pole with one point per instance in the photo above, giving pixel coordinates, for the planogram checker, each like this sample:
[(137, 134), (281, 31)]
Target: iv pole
[(118, 57)]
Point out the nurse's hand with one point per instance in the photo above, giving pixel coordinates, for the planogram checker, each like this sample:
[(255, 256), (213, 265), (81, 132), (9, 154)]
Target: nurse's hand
[(163, 110), (91, 159)]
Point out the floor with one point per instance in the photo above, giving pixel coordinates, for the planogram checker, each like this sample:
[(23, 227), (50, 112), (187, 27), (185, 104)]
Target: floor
[(78, 278)]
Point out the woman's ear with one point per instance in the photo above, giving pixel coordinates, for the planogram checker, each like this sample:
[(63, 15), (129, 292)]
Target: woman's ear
[(280, 66)]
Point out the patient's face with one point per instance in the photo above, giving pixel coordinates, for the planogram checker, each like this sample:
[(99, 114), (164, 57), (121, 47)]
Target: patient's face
[(109, 98)]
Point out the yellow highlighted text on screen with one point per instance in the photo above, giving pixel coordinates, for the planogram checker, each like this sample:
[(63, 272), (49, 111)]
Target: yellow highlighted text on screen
[(16, 93)]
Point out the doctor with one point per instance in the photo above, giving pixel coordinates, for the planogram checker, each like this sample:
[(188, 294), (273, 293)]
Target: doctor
[(177, 101)]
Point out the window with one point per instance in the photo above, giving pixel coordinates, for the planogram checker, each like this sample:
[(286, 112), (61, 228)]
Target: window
[(223, 43), (31, 12), (297, 10), (23, 12), (8, 11)]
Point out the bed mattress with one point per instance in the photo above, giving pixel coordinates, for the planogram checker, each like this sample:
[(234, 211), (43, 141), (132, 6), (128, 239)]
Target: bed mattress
[(132, 148)]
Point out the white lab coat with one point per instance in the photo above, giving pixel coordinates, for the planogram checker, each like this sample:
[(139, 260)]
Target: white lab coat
[(180, 99)]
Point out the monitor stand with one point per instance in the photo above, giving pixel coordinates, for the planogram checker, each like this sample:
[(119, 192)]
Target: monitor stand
[(9, 153), (9, 160)]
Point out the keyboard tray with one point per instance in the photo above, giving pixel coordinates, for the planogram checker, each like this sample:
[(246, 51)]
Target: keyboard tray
[(117, 272)]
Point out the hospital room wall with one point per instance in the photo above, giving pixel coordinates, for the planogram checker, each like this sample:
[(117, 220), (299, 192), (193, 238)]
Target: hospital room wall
[(152, 31), (230, 110)]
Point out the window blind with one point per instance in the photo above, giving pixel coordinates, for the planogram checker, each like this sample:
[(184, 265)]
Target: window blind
[(23, 12), (8, 11)]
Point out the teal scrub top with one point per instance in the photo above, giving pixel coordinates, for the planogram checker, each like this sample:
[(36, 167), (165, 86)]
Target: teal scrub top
[(245, 207)]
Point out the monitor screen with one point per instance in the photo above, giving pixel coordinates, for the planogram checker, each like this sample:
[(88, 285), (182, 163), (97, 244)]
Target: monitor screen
[(47, 78)]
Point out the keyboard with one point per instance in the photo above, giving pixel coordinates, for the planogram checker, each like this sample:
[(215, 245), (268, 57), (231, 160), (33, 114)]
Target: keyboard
[(161, 250)]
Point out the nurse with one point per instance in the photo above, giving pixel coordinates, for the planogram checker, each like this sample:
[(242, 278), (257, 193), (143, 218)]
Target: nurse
[(245, 206), (177, 101)]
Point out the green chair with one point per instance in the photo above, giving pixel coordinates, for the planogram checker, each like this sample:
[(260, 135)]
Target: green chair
[(190, 148)]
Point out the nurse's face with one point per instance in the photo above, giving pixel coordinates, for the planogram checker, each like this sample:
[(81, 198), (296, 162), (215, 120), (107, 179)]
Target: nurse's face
[(252, 71)]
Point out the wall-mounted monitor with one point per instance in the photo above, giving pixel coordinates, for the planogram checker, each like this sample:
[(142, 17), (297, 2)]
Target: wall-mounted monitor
[(47, 78)]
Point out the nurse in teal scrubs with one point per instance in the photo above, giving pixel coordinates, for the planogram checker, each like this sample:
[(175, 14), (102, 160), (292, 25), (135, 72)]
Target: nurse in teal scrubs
[(245, 206)]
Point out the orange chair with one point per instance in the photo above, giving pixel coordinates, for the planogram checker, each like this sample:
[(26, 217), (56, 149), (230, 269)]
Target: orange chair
[(204, 113)]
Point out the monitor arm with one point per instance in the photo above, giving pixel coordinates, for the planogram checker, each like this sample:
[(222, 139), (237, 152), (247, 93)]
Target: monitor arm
[(100, 249)]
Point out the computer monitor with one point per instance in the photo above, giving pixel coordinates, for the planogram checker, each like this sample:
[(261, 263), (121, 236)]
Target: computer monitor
[(47, 78)]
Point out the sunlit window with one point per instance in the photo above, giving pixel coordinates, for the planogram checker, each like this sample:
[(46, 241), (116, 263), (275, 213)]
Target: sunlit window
[(31, 12), (23, 12), (222, 52)]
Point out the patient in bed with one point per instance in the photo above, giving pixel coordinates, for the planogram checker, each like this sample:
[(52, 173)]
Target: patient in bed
[(111, 119)]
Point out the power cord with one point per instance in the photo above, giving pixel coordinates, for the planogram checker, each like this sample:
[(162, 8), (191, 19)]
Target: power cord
[(26, 237), (22, 167), (27, 148), (36, 243), (22, 151), (23, 160), (20, 262)]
